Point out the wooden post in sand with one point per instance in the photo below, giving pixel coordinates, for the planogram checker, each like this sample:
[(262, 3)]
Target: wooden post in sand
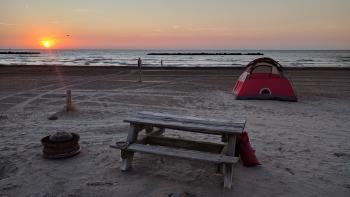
[(139, 65), (69, 106), (68, 100)]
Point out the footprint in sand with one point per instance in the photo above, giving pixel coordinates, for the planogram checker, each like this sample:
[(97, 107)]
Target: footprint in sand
[(7, 168), (99, 184), (181, 194), (339, 154), (289, 170), (9, 186)]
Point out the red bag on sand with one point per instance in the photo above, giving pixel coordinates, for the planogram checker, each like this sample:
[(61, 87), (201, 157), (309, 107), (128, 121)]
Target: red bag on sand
[(247, 153)]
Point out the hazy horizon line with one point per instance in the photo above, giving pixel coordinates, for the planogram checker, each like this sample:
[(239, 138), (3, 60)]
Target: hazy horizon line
[(183, 49)]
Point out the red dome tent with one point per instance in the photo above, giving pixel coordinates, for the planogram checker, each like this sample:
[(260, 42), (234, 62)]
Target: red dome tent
[(264, 79)]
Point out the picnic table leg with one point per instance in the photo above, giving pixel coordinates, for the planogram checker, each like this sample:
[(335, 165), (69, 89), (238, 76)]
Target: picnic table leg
[(224, 138), (127, 156), (228, 168), (238, 146)]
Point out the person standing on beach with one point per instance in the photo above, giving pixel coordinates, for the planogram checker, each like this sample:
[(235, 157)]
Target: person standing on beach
[(139, 65), (161, 63)]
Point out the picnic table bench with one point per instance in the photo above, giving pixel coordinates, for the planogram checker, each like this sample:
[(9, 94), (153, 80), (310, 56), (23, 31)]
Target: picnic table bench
[(224, 154)]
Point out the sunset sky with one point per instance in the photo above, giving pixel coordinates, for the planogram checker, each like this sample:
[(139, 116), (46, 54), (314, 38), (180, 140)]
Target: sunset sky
[(170, 24)]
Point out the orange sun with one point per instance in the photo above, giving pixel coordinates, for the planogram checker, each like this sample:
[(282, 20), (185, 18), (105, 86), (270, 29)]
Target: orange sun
[(47, 42)]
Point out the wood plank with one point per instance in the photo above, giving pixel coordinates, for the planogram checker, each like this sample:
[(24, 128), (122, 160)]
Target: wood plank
[(182, 153), (194, 127), (191, 119), (184, 144)]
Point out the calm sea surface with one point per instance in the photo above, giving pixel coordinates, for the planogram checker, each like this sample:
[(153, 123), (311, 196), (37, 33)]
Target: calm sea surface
[(88, 57)]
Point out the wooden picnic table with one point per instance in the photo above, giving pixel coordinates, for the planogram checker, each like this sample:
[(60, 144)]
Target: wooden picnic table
[(224, 154)]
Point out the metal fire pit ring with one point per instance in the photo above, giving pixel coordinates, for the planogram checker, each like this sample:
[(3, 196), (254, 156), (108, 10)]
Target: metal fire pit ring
[(60, 149)]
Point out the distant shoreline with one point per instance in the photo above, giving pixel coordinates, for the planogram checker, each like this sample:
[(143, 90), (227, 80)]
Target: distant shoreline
[(36, 67), (203, 53), (19, 53), (177, 58)]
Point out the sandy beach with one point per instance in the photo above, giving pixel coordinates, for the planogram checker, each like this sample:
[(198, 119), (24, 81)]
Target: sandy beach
[(303, 146)]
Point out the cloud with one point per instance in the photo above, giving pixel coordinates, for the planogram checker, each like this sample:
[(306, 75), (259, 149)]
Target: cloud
[(55, 22), (207, 29), (81, 10), (192, 28), (7, 24), (158, 30), (176, 26)]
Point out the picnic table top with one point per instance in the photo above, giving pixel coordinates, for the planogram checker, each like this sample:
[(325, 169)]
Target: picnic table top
[(188, 123)]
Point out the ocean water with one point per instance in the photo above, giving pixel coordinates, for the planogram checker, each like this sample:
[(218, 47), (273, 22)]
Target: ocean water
[(89, 57)]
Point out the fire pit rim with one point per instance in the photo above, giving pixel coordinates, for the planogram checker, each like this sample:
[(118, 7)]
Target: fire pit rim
[(58, 150), (46, 140)]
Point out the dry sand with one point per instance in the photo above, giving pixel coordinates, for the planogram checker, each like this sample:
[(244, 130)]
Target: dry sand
[(303, 146)]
